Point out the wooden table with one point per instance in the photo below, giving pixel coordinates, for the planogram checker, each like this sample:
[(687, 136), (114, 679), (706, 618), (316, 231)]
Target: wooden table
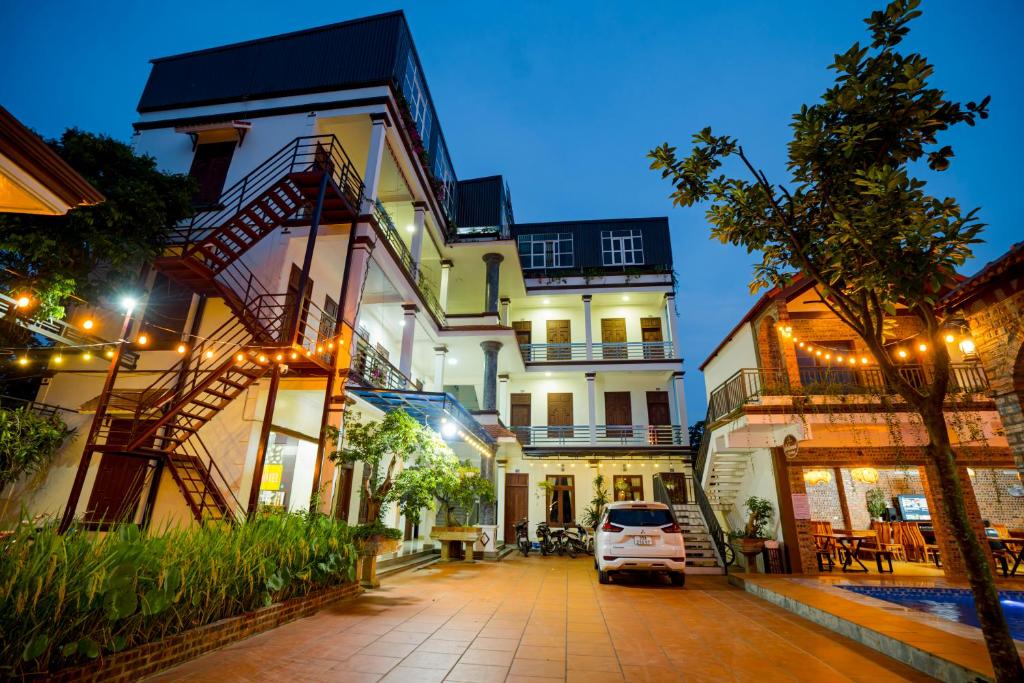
[(1015, 549), (850, 544)]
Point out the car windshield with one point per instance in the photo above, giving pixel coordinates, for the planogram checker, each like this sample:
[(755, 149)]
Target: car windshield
[(639, 517)]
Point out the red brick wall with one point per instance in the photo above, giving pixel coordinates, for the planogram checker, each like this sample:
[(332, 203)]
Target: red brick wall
[(146, 660)]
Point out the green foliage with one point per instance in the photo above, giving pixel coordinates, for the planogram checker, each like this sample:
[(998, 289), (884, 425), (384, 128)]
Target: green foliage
[(593, 512), (377, 528), (760, 513), (69, 598), (93, 251), (28, 441), (462, 492), (696, 434), (875, 501)]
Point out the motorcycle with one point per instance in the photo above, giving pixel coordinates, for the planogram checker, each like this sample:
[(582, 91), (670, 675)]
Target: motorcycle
[(545, 539), (523, 536), (563, 543), (580, 540)]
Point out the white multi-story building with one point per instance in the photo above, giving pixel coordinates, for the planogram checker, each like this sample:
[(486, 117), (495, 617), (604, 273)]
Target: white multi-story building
[(337, 258)]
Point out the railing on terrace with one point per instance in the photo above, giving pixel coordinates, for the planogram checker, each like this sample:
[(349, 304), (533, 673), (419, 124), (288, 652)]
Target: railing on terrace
[(605, 351), (603, 435), (752, 383), (44, 409), (371, 368), (418, 275)]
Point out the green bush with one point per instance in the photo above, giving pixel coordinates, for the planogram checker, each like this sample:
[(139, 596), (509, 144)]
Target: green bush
[(376, 528), (68, 598), (27, 442)]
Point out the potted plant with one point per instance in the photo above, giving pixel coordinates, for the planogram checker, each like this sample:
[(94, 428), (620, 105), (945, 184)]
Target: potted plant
[(622, 489), (755, 533), (592, 514), (875, 501), (459, 489)]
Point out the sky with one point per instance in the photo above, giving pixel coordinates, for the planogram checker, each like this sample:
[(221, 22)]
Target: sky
[(566, 98)]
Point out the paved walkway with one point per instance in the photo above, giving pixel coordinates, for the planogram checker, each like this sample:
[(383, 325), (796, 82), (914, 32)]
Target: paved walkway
[(545, 619)]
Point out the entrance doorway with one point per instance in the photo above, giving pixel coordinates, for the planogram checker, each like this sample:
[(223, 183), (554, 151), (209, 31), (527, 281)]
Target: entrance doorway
[(519, 417), (517, 502), (650, 333), (288, 473), (524, 337)]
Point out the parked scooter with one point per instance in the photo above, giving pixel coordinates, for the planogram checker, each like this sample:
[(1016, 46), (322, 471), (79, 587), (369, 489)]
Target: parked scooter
[(580, 541), (544, 538), (523, 536), (563, 543)]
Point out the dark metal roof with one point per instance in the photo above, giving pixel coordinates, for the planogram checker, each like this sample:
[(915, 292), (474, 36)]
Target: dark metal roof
[(586, 236), (481, 203), (325, 58)]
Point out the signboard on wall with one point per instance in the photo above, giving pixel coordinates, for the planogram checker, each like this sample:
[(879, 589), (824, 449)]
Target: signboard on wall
[(801, 506), (790, 446)]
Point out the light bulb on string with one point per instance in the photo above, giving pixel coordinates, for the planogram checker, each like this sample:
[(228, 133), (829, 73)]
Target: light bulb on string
[(109, 353), (88, 324), (182, 348), (23, 361), (209, 354), (922, 347), (901, 353), (950, 338), (23, 301), (86, 356), (142, 340), (58, 359)]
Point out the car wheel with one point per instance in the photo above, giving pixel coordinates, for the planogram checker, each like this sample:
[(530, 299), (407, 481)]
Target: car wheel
[(603, 578), (678, 579)]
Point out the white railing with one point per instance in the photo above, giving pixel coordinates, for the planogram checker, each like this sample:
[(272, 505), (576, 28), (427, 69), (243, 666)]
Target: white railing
[(605, 351), (601, 435)]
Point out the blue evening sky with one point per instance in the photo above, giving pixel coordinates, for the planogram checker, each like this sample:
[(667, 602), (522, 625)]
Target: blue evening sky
[(565, 98)]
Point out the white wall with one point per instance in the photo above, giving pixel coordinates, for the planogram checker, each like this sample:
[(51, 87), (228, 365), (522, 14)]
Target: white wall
[(738, 353)]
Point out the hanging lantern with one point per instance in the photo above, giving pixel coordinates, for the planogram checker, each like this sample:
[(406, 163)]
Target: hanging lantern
[(817, 477), (865, 475)]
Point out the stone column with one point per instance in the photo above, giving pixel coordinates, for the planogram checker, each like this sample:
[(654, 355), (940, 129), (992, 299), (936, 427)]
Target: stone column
[(374, 159), (503, 398), (408, 335), (504, 320), (952, 561), (491, 349), (588, 326), (442, 293), (440, 354), (680, 394), (418, 228), (491, 282), (488, 471), (592, 406), (673, 325)]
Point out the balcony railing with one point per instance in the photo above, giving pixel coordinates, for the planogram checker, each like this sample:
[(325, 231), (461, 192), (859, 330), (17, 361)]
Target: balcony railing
[(606, 351), (416, 274), (603, 435), (752, 383), (370, 368)]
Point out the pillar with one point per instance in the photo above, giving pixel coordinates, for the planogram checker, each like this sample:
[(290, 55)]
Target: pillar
[(492, 281), (408, 335), (680, 394), (491, 349), (356, 267), (488, 471), (588, 326), (262, 446), (440, 354), (505, 302), (844, 505), (418, 228), (374, 160), (673, 324), (503, 397), (592, 406), (442, 294), (952, 561)]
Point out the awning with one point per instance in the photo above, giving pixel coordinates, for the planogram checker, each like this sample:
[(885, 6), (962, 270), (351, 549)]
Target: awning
[(216, 131), (432, 409)]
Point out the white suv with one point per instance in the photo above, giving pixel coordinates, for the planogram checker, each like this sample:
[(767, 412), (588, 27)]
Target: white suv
[(633, 536)]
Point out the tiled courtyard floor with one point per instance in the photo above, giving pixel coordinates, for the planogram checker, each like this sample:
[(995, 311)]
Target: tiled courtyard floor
[(541, 619)]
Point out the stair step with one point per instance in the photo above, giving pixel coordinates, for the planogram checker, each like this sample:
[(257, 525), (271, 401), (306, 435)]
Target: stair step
[(219, 394)]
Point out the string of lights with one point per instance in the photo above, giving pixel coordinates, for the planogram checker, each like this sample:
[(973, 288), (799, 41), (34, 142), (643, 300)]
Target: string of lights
[(902, 349)]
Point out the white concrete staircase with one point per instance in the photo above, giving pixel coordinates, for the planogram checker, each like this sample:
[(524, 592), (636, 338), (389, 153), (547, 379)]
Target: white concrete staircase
[(701, 557), (725, 479)]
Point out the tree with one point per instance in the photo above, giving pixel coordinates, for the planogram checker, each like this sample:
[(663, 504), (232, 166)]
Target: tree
[(696, 433), (854, 220), (95, 251), (462, 492)]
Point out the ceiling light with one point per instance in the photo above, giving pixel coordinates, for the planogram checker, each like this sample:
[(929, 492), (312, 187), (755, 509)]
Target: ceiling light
[(546, 301), (448, 430), (453, 361), (625, 297), (128, 304), (23, 301), (410, 228)]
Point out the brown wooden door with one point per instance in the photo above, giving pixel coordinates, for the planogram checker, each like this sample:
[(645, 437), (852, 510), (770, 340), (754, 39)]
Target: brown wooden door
[(618, 411), (613, 338), (343, 494), (658, 413), (520, 416), (560, 416), (117, 491), (517, 502), (559, 333), (650, 331), (210, 169), (524, 337)]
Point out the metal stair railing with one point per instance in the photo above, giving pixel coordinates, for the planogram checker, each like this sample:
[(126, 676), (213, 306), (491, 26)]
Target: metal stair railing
[(212, 477)]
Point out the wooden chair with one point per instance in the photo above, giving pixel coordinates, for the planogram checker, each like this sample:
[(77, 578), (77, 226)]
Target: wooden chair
[(887, 541), (825, 545), (1002, 530), (926, 551)]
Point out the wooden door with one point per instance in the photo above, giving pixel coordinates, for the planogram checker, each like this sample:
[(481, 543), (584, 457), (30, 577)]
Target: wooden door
[(559, 333), (658, 414), (524, 337), (517, 503), (650, 332), (117, 491), (618, 411), (519, 417), (343, 494), (613, 338), (210, 169), (327, 321), (560, 416)]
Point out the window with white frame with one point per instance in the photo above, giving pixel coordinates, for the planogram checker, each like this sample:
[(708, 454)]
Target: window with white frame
[(416, 96), (622, 247), (546, 250)]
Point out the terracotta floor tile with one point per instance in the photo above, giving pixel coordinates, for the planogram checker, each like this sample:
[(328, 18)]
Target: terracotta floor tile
[(594, 677), (537, 667), (373, 664), (388, 649), (592, 663), (553, 652), (477, 673), (403, 674), (430, 660), (503, 644), (454, 647), (488, 657), (403, 637), (652, 674)]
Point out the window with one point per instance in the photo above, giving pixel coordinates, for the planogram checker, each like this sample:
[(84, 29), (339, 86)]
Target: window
[(416, 95), (166, 312), (640, 517), (546, 250), (622, 247), (817, 370), (560, 500), (628, 487), (288, 473)]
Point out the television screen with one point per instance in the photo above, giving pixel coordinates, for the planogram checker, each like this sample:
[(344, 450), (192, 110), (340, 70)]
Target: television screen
[(914, 508)]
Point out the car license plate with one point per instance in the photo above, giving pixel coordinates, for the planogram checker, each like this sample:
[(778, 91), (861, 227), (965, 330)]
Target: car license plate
[(643, 540)]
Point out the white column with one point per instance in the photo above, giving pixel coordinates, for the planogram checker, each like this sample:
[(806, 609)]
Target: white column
[(418, 223), (503, 398), (408, 335), (440, 355), (673, 324), (442, 294), (505, 301), (677, 384), (588, 326), (592, 405), (374, 159), (361, 250)]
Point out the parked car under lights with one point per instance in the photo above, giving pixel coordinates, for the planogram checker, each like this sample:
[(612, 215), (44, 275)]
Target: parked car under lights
[(635, 536)]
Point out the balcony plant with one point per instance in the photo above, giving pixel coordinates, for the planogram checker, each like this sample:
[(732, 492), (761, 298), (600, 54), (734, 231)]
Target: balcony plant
[(875, 501), (593, 512)]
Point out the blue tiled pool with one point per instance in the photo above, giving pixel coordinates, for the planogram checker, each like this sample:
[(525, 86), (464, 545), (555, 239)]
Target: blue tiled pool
[(955, 604)]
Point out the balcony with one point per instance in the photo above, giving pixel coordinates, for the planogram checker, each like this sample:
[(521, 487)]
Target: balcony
[(602, 352), (606, 436), (417, 275), (750, 384), (371, 369)]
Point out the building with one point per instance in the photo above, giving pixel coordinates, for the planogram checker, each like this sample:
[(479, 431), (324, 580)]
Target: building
[(799, 414), (337, 259)]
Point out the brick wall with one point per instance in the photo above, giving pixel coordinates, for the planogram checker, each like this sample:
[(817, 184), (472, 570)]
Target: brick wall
[(148, 659)]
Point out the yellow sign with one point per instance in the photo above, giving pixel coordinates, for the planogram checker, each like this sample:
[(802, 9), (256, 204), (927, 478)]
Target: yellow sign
[(272, 474)]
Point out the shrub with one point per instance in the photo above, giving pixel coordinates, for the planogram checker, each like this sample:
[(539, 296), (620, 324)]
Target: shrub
[(68, 598), (28, 442), (376, 528)]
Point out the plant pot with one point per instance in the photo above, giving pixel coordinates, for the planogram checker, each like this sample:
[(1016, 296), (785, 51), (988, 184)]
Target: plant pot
[(750, 546), (367, 550), (456, 534)]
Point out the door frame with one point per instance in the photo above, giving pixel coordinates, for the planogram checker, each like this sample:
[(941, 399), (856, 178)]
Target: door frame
[(510, 519)]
